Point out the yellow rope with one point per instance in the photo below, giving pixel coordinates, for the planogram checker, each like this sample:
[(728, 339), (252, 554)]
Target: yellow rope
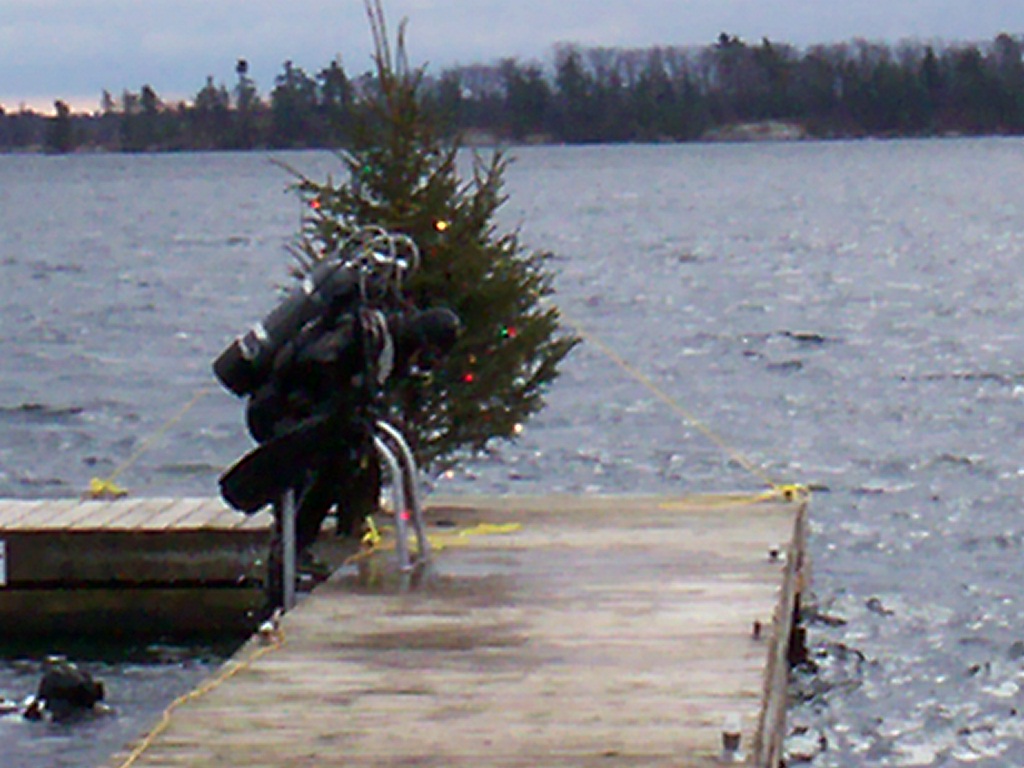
[(787, 492), (226, 674), (489, 529), (378, 540), (106, 488)]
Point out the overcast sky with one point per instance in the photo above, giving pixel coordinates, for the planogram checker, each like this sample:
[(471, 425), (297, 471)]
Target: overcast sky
[(74, 49)]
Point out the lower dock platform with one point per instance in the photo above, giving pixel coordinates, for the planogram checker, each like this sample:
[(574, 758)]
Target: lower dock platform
[(549, 631), (130, 568)]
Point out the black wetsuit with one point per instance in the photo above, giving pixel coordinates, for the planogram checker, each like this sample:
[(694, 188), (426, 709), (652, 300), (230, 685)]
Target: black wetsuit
[(324, 387), (314, 414)]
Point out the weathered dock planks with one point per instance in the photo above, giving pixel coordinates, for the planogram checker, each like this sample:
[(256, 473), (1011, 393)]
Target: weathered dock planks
[(129, 568), (601, 632)]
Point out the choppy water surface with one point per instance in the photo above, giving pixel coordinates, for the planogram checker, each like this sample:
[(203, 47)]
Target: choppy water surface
[(845, 314)]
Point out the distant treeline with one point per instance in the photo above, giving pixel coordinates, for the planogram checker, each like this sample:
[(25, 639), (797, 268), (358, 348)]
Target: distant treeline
[(585, 95)]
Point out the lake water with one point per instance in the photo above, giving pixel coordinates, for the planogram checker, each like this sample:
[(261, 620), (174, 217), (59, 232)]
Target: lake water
[(845, 315)]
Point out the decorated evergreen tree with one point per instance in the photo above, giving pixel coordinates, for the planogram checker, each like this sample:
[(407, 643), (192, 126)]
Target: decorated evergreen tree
[(403, 177)]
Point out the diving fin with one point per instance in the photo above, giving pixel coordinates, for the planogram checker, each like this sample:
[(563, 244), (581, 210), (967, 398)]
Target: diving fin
[(262, 475)]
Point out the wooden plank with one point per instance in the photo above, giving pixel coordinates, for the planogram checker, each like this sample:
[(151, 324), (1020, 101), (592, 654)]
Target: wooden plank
[(137, 514), (601, 632), (78, 513), (769, 746), (162, 514), (84, 510), (50, 515), (220, 515), (127, 513), (203, 515), (264, 519), (14, 510), (151, 514), (168, 515), (103, 513), (8, 510)]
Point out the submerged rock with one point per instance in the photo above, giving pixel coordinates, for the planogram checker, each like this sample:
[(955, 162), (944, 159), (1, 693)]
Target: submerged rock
[(804, 744)]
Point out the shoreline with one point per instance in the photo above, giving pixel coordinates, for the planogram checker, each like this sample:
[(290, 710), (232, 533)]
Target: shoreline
[(764, 132)]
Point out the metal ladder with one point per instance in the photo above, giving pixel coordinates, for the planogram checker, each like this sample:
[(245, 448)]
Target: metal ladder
[(394, 451), (405, 497)]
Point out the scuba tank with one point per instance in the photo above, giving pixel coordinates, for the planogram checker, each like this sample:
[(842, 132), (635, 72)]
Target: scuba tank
[(246, 363)]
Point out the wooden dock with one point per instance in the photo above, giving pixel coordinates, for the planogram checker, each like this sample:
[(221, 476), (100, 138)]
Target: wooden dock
[(581, 632), (129, 568)]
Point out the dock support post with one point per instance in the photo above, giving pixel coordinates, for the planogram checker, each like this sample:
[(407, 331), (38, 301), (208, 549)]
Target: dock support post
[(288, 555)]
